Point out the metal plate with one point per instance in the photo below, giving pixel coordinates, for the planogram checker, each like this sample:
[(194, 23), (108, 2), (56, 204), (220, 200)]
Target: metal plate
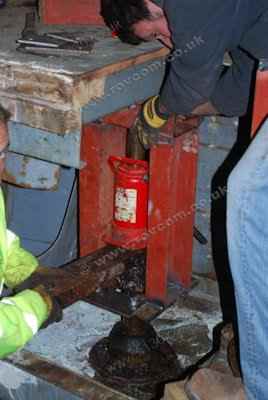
[(125, 305)]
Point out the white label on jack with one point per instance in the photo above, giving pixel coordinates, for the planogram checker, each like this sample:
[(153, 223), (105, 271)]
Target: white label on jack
[(125, 205)]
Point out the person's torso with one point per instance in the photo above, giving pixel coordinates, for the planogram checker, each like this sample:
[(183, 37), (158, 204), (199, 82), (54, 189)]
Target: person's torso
[(245, 22)]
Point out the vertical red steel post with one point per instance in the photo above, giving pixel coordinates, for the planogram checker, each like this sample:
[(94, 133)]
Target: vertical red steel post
[(183, 206), (173, 170), (158, 249), (260, 107), (99, 141)]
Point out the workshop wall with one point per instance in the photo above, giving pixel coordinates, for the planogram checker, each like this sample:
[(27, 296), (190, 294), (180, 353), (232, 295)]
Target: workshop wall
[(48, 224), (217, 137)]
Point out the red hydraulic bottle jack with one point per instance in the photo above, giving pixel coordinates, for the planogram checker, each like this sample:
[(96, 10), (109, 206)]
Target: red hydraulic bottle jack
[(130, 212), (172, 182)]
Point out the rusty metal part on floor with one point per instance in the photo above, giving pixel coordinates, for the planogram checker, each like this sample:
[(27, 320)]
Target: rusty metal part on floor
[(134, 359)]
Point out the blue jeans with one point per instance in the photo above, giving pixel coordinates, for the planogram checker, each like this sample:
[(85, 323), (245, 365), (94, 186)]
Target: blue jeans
[(247, 230)]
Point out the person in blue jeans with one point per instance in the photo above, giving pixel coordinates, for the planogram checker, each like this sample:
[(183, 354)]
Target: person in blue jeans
[(198, 34), (247, 229)]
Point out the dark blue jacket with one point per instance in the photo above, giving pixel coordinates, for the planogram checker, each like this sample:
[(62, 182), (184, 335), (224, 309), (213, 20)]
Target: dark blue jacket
[(202, 31)]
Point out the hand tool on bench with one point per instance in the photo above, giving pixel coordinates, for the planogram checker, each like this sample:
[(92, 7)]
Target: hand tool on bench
[(54, 43)]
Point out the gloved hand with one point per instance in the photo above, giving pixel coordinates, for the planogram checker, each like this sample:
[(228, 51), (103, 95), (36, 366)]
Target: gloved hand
[(43, 281), (149, 122), (53, 306)]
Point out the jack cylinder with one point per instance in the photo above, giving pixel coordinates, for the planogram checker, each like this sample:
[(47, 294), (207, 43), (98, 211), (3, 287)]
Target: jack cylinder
[(130, 212)]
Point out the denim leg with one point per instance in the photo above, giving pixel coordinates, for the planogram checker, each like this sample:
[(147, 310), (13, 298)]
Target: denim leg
[(247, 230)]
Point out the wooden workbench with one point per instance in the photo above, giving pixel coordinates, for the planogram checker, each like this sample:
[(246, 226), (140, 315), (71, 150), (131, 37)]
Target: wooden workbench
[(58, 94)]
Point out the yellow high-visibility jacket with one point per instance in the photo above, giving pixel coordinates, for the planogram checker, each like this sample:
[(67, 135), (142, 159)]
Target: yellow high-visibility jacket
[(21, 315)]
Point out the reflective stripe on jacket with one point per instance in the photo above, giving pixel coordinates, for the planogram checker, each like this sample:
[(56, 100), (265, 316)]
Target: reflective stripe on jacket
[(20, 318)]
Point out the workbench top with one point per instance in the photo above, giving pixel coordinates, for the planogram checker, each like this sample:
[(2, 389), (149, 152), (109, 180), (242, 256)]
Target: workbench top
[(48, 92)]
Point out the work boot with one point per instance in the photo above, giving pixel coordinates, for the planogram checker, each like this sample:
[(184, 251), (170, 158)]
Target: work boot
[(226, 358), (233, 358), (207, 384)]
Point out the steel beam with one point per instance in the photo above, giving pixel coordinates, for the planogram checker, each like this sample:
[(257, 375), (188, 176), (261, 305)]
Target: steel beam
[(56, 381), (78, 279)]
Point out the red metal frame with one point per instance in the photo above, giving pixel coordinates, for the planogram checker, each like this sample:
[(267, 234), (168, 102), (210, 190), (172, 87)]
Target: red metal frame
[(260, 107), (171, 198), (173, 170), (71, 12), (99, 141)]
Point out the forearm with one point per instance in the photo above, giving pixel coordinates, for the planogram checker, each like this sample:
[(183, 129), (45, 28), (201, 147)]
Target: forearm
[(205, 109), (232, 91), (201, 110)]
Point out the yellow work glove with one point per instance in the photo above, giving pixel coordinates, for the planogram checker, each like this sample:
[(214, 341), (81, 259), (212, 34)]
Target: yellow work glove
[(53, 306), (149, 122), (43, 281)]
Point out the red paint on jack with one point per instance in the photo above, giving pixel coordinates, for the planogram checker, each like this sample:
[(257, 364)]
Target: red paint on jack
[(130, 202)]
